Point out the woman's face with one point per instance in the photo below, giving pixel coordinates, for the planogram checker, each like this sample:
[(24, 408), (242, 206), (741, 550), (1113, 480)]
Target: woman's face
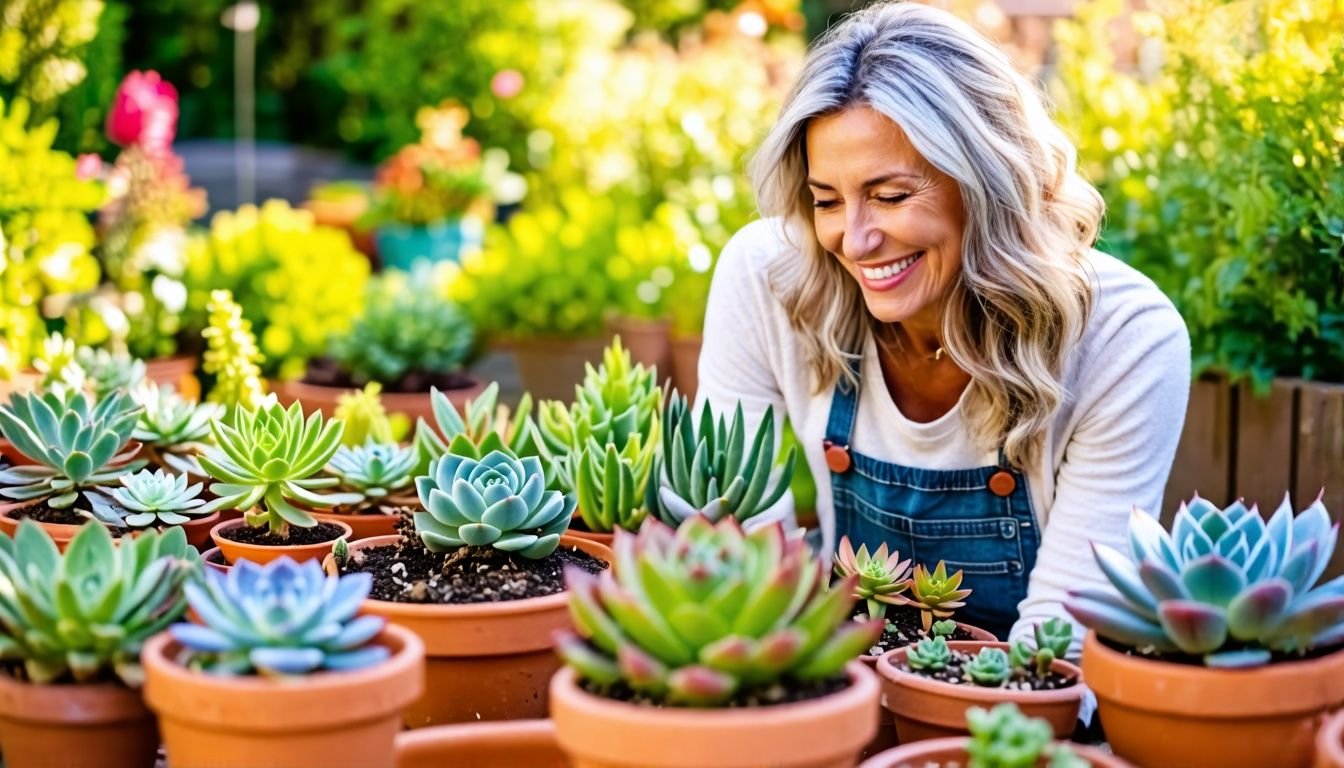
[(891, 219)]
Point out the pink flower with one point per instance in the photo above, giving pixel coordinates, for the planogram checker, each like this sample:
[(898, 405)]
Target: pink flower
[(506, 83), (88, 167), (144, 112)]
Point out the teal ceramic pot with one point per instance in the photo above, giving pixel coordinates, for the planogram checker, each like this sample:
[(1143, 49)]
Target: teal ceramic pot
[(401, 245)]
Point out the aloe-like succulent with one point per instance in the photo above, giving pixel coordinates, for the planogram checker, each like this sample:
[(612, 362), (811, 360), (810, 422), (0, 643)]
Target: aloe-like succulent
[(158, 497), (1003, 737), (1053, 638), (991, 668), (935, 594), (882, 577), (281, 618), (611, 484), (500, 501), (716, 469), (930, 653), (1224, 584), (172, 429), (487, 426), (377, 472), (694, 615), (266, 462), (84, 615), (78, 448)]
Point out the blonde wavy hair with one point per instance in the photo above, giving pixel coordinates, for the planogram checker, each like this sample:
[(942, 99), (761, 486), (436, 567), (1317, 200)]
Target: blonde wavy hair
[(1024, 294)]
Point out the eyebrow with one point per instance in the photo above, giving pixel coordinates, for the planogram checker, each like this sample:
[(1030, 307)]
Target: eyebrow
[(873, 182)]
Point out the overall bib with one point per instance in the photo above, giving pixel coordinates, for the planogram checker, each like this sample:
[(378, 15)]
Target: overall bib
[(980, 520)]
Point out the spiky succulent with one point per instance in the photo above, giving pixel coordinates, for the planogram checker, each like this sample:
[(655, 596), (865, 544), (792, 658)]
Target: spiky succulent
[(611, 484), (488, 426), (500, 501), (882, 577), (991, 668), (377, 472), (364, 417), (265, 463), (78, 450), (935, 594), (931, 653), (1223, 584), (694, 615), (158, 497), (716, 468), (173, 430), (1053, 638), (83, 616), (281, 618), (1003, 737)]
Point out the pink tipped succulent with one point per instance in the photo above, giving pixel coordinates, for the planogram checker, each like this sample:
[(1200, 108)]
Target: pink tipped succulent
[(882, 577)]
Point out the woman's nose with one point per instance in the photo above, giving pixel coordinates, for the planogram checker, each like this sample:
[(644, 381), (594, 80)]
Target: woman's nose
[(860, 239)]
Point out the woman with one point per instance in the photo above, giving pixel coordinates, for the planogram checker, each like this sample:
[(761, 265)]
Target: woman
[(970, 380)]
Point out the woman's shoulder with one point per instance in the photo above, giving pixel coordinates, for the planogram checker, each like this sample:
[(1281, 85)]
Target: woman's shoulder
[(1126, 301), (763, 253)]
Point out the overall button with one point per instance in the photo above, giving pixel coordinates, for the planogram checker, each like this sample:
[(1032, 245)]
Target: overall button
[(1002, 483), (837, 457), (1008, 529)]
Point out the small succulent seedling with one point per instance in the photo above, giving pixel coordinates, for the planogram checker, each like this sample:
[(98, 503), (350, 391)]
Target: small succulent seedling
[(944, 628), (936, 594), (990, 668), (1053, 638), (882, 577), (930, 653)]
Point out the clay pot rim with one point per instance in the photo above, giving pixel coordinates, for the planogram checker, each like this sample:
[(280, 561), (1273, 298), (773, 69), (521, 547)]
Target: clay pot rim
[(971, 628), (240, 522), (68, 531), (1330, 739), (893, 675), (496, 732), (74, 703), (955, 746), (527, 605)]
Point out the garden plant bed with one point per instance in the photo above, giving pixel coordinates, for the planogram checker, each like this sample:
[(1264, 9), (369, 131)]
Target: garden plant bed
[(262, 536), (903, 628), (1022, 680), (788, 691)]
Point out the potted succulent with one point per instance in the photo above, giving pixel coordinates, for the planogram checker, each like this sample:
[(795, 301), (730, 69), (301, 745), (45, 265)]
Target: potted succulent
[(1215, 645), (1001, 737), (73, 626), (366, 419), (159, 500), (281, 671), (172, 430), (410, 339), (75, 450), (478, 577), (928, 686), (380, 475), (707, 646), (266, 464)]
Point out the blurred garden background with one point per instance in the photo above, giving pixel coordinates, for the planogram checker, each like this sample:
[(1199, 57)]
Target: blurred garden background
[(557, 170)]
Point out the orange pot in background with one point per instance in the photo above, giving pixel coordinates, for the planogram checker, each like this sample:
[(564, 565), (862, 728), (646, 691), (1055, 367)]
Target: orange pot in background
[(529, 743), (176, 372), (361, 526), (416, 405), (647, 340), (952, 751), (260, 554), (686, 365), (550, 368), (89, 726)]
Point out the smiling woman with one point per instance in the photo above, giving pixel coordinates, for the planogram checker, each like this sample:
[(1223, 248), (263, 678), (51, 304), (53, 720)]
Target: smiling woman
[(970, 380)]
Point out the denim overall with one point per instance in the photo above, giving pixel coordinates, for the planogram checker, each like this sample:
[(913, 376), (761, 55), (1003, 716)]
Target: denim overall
[(979, 521)]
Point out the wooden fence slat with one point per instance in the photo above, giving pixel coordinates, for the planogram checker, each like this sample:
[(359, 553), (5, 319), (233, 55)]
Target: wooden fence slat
[(1203, 457), (1264, 471), (1320, 454)]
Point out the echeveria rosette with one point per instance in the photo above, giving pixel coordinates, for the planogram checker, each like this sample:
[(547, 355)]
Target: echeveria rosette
[(694, 615), (882, 577), (935, 594), (83, 615), (931, 653), (990, 668), (498, 501), (281, 618), (375, 471), (1224, 584), (266, 462), (173, 429), (77, 448), (158, 497)]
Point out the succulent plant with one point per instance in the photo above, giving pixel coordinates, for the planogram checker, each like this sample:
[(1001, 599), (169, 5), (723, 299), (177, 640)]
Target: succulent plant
[(266, 461), (364, 417), (83, 616), (881, 577), (281, 618), (377, 472), (935, 594), (77, 449), (930, 653), (173, 430), (232, 356), (1053, 638), (1223, 584), (107, 372), (150, 497), (611, 484), (716, 469), (500, 501), (694, 615), (1003, 737), (488, 426), (944, 628), (990, 667)]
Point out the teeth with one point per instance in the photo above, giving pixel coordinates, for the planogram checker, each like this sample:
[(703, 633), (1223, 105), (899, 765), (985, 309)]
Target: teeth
[(890, 270)]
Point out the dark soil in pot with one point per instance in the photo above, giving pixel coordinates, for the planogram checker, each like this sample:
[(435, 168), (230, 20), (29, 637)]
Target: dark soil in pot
[(1022, 680), (786, 691), (42, 513), (217, 558), (903, 627), (1194, 660), (325, 372), (262, 536)]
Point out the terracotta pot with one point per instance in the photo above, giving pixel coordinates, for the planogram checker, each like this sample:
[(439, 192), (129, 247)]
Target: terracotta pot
[(486, 661), (952, 751), (176, 372), (362, 526), (22, 382), (261, 554), (93, 726), (414, 404), (198, 531), (686, 365), (646, 339), (205, 558), (328, 718), (528, 743), (931, 709), (1330, 743), (1159, 713), (550, 368), (822, 733)]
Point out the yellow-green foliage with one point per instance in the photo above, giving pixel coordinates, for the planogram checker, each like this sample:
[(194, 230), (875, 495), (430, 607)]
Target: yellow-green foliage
[(297, 283), (232, 356), (366, 419)]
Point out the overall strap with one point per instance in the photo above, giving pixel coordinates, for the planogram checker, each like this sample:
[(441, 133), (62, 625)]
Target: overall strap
[(844, 408)]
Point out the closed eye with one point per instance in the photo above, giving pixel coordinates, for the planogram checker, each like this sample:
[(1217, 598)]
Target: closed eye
[(824, 204), (893, 199)]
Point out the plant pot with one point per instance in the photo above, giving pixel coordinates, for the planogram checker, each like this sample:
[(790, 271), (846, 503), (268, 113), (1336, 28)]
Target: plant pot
[(205, 558), (827, 732), (686, 365), (262, 554), (197, 530), (952, 751), (647, 340), (551, 368), (362, 526), (1330, 743), (1161, 713), (177, 372), (21, 383), (316, 397), (90, 726), (528, 743), (400, 246), (328, 718), (931, 709), (486, 661)]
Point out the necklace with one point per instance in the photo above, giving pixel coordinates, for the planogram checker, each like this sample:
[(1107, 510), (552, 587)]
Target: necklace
[(938, 354)]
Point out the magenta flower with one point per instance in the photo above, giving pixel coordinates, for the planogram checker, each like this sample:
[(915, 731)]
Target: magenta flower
[(144, 112)]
